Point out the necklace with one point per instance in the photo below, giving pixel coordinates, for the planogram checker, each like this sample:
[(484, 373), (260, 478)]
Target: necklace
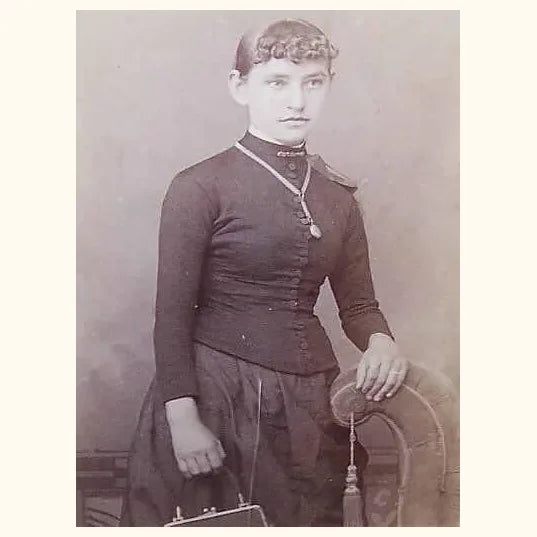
[(314, 228)]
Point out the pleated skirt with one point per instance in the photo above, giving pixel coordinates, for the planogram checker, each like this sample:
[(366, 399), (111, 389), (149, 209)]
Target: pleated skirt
[(281, 443)]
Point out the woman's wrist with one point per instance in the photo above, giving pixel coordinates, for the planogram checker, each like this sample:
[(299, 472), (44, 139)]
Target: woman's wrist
[(181, 409), (379, 338)]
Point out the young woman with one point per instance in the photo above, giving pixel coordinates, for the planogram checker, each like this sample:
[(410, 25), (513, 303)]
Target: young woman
[(243, 366)]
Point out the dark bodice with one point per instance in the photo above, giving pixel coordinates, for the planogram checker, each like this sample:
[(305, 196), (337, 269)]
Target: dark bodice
[(239, 270)]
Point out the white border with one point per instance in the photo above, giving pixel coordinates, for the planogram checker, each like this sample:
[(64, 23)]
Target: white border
[(498, 267)]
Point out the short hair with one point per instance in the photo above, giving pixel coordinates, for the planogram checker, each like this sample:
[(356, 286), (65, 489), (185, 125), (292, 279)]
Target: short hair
[(294, 39)]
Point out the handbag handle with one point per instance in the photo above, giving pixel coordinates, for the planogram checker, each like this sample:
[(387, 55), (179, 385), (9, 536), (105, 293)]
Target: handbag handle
[(225, 477), (232, 478)]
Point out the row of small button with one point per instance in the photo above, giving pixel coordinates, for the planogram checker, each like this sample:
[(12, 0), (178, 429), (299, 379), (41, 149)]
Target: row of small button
[(298, 325)]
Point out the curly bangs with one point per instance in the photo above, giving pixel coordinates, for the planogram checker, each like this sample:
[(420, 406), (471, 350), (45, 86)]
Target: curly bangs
[(294, 39)]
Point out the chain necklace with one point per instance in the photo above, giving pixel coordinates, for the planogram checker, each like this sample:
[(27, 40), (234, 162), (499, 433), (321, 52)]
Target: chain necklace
[(314, 228)]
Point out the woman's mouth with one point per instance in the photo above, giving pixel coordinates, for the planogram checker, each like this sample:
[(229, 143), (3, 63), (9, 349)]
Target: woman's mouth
[(297, 121)]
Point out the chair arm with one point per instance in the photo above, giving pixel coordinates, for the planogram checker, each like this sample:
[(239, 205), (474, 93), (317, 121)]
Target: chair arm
[(424, 419)]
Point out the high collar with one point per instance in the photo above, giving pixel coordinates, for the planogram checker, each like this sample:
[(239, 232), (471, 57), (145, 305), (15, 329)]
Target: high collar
[(265, 149)]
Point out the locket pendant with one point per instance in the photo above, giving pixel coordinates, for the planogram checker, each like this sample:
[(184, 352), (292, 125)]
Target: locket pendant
[(315, 230)]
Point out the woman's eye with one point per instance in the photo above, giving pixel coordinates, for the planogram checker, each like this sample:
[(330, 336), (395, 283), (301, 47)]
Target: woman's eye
[(276, 83), (315, 82)]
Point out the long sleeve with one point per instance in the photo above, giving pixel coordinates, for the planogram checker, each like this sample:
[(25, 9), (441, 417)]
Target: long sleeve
[(185, 231), (352, 285)]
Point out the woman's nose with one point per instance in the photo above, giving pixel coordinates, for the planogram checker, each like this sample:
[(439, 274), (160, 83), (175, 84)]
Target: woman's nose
[(297, 98)]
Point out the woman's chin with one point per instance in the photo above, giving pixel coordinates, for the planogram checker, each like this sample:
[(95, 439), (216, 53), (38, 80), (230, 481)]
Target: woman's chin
[(291, 137)]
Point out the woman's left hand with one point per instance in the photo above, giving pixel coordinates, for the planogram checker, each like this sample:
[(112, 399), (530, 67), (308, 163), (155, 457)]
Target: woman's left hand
[(382, 369)]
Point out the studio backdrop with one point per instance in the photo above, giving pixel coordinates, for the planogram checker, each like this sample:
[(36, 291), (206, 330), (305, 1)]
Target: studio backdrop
[(152, 99)]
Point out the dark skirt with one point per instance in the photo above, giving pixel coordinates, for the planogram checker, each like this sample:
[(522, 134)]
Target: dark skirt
[(293, 465)]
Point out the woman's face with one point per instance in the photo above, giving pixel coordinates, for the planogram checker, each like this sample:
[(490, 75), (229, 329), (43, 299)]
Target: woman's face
[(284, 99)]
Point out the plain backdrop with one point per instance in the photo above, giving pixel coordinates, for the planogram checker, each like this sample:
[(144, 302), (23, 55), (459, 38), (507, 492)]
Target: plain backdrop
[(152, 99)]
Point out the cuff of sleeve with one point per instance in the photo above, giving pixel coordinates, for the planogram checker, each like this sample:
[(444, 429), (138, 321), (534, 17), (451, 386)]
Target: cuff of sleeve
[(361, 330), (178, 387)]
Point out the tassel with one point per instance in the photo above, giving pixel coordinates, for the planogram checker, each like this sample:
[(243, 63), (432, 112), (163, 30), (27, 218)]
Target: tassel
[(352, 497), (352, 500)]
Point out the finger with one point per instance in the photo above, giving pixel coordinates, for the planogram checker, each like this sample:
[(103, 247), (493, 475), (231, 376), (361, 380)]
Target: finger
[(360, 374), (391, 381), (184, 468), (215, 459), (203, 463), (373, 370), (385, 367), (192, 465), (220, 449), (400, 379)]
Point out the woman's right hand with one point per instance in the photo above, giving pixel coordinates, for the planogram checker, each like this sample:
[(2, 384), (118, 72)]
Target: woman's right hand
[(197, 449)]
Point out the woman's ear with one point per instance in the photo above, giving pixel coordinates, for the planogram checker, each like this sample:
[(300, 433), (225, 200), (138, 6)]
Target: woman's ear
[(237, 87)]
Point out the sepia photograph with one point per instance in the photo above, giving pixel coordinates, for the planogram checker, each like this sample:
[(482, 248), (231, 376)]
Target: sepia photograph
[(267, 268)]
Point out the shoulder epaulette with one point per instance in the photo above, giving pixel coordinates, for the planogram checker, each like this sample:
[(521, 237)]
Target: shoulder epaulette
[(321, 166)]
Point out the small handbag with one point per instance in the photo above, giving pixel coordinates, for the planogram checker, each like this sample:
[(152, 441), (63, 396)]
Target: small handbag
[(245, 514)]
